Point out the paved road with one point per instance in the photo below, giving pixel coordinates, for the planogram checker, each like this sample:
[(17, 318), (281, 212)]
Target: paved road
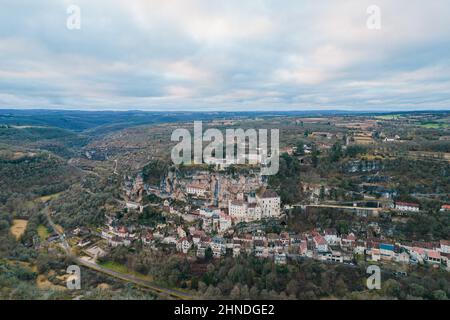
[(161, 291), (343, 207), (115, 167), (165, 292)]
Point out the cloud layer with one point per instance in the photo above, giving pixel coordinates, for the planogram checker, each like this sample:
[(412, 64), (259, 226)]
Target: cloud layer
[(225, 55)]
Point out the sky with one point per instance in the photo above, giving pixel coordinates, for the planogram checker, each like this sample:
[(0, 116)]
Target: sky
[(225, 55)]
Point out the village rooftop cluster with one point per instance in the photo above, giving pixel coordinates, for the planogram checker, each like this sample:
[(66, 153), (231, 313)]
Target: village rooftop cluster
[(225, 214)]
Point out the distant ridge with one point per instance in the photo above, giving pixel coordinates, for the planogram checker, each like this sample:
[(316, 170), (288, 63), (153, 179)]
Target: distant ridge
[(80, 120)]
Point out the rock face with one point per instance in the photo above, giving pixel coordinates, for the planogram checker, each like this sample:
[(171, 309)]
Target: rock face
[(134, 188)]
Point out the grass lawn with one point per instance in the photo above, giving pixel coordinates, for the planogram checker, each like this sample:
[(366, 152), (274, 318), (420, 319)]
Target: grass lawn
[(43, 232), (435, 125), (114, 266), (117, 267)]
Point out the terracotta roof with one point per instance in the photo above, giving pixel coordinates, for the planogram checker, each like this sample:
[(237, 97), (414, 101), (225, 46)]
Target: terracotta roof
[(319, 240), (351, 237), (149, 236), (196, 186), (330, 231), (206, 239), (123, 229), (199, 233), (225, 216), (284, 235), (426, 245), (419, 250), (373, 244), (434, 254), (445, 243)]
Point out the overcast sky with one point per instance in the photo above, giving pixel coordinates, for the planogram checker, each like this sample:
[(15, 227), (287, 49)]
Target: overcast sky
[(225, 55)]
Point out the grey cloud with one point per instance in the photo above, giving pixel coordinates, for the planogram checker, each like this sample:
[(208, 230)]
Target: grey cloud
[(225, 55)]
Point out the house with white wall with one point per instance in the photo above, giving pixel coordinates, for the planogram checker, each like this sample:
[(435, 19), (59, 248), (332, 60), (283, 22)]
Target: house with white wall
[(270, 203), (407, 206)]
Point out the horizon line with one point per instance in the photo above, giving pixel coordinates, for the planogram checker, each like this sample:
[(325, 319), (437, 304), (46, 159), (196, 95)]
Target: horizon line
[(224, 111)]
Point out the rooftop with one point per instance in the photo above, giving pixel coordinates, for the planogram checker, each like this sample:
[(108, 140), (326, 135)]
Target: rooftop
[(267, 193), (320, 240), (434, 254), (445, 243)]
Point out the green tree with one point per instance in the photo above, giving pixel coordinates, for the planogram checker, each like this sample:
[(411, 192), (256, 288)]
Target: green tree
[(439, 295), (300, 149), (336, 152)]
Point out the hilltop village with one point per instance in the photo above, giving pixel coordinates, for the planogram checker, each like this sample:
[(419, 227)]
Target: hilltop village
[(211, 214), (350, 192), (206, 212)]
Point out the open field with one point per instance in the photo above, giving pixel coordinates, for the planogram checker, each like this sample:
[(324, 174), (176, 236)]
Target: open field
[(439, 156), (435, 125), (18, 228), (49, 197), (43, 283), (43, 232), (59, 228), (388, 117), (23, 264)]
